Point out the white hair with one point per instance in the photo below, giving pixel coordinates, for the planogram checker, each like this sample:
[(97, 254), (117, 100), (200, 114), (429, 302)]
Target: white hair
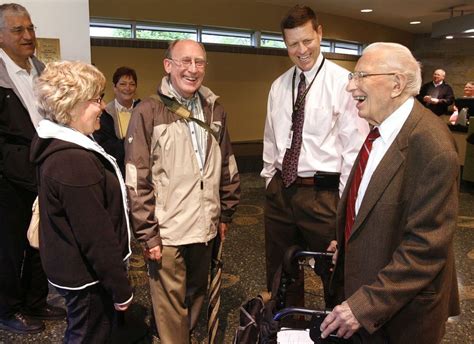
[(400, 59)]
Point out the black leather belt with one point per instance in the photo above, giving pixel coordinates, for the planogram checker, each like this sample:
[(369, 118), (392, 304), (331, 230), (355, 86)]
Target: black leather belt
[(321, 180)]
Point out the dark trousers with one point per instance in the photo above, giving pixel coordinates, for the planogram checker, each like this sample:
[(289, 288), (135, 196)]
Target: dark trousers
[(298, 215), (90, 314), (22, 279)]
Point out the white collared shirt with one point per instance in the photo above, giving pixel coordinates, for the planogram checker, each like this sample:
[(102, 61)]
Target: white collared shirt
[(119, 107), (23, 82), (332, 131), (389, 130)]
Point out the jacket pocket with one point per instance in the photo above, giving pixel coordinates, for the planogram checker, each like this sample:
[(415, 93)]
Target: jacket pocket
[(16, 165), (426, 296)]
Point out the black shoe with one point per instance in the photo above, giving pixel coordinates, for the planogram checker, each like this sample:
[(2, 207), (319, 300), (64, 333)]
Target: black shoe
[(46, 312), (18, 323)]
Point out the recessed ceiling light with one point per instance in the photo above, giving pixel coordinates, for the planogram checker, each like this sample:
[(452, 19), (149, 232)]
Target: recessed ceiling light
[(469, 31), (415, 22), (366, 10), (449, 37)]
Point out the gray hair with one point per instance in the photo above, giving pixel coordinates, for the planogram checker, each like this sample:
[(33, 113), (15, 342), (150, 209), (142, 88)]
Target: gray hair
[(400, 59), (12, 9)]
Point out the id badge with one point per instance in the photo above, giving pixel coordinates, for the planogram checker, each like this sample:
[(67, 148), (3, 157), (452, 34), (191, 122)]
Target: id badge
[(289, 140)]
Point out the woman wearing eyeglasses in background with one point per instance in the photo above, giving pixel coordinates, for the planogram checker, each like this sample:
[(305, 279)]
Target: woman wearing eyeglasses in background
[(114, 120), (84, 234)]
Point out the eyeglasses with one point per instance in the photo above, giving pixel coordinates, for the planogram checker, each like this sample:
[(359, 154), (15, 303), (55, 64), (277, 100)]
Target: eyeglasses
[(18, 30), (187, 62), (356, 76), (98, 100)]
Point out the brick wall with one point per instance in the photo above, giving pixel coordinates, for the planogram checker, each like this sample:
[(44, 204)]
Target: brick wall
[(455, 56)]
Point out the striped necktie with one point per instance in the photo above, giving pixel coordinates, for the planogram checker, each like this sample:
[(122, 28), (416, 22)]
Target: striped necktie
[(354, 188)]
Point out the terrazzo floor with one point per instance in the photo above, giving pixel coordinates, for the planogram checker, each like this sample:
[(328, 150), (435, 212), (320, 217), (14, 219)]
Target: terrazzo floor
[(243, 278)]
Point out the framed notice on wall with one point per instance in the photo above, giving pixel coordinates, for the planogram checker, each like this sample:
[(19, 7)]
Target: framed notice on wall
[(48, 50)]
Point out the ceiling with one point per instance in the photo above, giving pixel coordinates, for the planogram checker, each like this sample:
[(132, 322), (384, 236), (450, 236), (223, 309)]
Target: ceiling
[(393, 13)]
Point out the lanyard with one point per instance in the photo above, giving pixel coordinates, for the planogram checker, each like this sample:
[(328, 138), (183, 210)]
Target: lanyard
[(303, 97)]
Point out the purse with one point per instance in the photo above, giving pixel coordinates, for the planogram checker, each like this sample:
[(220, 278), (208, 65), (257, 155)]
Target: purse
[(33, 229)]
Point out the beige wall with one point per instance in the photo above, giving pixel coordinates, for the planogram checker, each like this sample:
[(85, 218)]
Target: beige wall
[(70, 25), (242, 80)]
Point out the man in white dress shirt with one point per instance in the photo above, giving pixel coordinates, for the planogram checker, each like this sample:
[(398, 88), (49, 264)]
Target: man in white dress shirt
[(301, 199)]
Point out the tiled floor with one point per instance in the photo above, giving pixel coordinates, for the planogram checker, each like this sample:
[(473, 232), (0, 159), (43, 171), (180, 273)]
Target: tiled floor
[(244, 277)]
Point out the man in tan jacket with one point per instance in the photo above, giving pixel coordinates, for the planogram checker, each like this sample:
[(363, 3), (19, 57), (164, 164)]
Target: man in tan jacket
[(183, 186), (397, 215)]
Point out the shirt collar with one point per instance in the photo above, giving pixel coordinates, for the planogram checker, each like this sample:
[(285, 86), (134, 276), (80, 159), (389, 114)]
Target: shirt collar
[(179, 98), (438, 84), (12, 67), (393, 123), (120, 107)]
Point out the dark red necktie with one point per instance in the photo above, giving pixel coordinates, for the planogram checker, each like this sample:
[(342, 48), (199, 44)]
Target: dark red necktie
[(289, 169), (354, 188)]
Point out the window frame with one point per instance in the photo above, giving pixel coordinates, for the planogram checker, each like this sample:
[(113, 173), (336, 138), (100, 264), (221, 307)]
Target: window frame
[(255, 37), (165, 28)]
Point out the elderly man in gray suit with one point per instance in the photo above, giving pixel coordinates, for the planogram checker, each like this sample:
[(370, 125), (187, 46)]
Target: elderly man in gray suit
[(397, 215)]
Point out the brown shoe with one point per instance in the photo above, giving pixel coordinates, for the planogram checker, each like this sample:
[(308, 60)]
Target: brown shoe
[(19, 323)]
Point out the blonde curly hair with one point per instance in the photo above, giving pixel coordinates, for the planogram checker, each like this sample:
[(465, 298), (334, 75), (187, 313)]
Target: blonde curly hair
[(63, 85)]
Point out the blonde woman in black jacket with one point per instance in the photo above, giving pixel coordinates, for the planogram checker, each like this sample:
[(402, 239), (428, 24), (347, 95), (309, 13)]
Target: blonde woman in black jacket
[(84, 231)]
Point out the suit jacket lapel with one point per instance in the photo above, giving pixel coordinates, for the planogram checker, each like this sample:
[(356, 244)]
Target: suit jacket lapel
[(387, 168), (382, 177)]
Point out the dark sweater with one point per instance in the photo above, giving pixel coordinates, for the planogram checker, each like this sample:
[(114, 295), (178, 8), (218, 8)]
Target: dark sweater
[(106, 136), (444, 93)]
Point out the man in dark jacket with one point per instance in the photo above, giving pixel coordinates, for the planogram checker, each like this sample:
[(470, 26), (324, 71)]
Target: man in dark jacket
[(23, 284), (436, 95)]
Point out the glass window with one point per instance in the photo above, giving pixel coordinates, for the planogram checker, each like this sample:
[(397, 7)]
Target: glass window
[(325, 46), (269, 40), (347, 48), (164, 33), (226, 37), (103, 27), (110, 30)]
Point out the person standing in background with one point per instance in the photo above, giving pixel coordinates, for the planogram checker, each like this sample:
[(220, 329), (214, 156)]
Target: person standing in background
[(468, 93), (436, 95), (116, 116)]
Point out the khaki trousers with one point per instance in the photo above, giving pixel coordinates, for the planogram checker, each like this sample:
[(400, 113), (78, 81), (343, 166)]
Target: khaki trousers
[(178, 287)]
